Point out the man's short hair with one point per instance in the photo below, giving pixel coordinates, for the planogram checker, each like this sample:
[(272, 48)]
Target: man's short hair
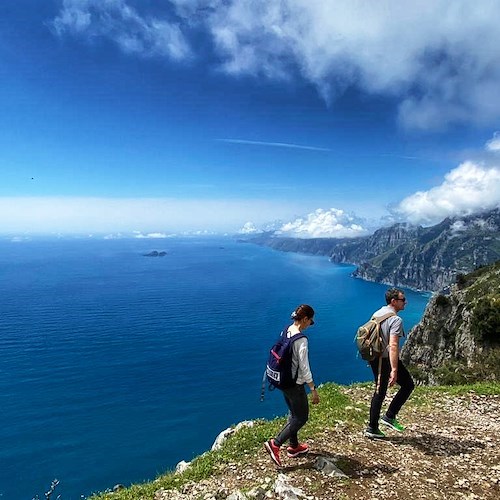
[(392, 293)]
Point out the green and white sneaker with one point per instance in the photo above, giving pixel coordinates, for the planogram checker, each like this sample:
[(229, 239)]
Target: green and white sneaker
[(374, 433), (392, 423)]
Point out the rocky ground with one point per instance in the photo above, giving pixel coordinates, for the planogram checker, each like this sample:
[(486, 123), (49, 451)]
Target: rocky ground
[(450, 449)]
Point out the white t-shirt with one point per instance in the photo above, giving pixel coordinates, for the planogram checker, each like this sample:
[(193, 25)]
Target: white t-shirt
[(300, 359)]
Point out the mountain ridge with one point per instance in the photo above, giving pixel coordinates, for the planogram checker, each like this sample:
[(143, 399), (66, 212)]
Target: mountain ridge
[(421, 258)]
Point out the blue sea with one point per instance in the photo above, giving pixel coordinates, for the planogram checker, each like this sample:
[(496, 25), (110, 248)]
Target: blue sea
[(115, 366)]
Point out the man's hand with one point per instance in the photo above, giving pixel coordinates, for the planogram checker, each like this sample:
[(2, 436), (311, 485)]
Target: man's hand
[(393, 377)]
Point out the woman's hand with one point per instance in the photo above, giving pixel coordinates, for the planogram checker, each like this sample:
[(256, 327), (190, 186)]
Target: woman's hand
[(315, 397)]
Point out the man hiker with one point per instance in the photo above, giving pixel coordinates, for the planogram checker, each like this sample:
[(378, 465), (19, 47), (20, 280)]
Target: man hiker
[(392, 370)]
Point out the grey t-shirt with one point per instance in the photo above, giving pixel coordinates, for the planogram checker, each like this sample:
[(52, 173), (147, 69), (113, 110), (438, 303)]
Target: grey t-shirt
[(391, 326)]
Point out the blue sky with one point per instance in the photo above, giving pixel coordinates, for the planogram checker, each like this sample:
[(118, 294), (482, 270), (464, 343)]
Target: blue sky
[(317, 118)]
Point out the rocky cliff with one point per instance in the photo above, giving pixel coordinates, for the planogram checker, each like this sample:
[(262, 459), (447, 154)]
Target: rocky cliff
[(411, 256), (458, 338), (430, 258)]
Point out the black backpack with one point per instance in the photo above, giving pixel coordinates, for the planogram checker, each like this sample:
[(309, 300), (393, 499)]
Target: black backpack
[(279, 364), (368, 338)]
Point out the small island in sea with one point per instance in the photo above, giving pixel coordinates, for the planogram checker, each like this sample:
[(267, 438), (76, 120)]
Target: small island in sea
[(155, 253)]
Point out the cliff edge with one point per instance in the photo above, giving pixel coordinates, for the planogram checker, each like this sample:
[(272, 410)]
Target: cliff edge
[(450, 449)]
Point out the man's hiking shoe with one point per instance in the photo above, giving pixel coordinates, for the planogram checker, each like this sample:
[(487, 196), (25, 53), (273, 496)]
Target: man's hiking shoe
[(374, 433), (300, 449), (392, 423), (274, 451)]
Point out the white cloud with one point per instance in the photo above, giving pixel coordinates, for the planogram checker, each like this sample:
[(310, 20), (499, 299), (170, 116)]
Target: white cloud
[(150, 216), (441, 60), (457, 227), (494, 143), (332, 223), (113, 236), (150, 236), (249, 228), (467, 189), (133, 32)]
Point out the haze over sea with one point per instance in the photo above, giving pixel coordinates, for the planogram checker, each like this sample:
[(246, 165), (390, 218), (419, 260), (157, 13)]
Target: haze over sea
[(114, 366)]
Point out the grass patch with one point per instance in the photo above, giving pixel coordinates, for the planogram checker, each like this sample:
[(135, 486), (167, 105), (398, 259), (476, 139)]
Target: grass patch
[(334, 406), (481, 388)]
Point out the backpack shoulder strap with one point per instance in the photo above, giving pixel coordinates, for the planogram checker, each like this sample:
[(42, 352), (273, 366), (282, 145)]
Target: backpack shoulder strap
[(297, 336), (293, 338), (380, 319)]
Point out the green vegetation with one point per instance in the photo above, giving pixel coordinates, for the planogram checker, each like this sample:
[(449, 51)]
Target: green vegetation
[(457, 372), (485, 325), (419, 375), (461, 280), (483, 292), (482, 282), (442, 301), (336, 407)]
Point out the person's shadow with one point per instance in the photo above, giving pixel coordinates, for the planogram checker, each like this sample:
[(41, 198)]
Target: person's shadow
[(429, 444), (435, 444), (347, 465)]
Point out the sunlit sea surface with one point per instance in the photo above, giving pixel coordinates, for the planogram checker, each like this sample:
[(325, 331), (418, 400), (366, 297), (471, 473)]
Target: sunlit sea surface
[(115, 366)]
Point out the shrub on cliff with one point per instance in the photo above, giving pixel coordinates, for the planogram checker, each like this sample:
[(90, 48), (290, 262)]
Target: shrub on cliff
[(442, 301), (482, 368), (485, 324)]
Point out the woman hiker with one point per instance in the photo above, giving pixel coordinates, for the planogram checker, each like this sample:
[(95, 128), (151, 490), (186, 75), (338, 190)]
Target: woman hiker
[(295, 396)]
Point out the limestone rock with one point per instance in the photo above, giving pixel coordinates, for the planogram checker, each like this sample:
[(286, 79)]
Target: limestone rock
[(182, 466), (228, 432), (285, 491), (329, 467)]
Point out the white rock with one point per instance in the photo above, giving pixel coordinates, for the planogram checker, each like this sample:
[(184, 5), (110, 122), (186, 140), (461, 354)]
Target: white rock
[(286, 491), (182, 466), (236, 495), (227, 432)]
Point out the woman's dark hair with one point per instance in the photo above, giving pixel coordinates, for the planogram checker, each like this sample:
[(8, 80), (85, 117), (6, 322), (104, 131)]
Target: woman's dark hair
[(303, 311)]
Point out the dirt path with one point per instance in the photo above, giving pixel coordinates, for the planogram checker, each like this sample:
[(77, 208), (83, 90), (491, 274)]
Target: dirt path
[(450, 449)]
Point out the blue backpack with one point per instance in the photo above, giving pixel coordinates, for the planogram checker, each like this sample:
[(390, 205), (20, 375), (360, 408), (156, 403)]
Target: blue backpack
[(279, 364)]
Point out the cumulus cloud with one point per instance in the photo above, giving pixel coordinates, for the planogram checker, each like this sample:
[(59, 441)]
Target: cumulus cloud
[(249, 228), (332, 223), (441, 61), (467, 189)]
